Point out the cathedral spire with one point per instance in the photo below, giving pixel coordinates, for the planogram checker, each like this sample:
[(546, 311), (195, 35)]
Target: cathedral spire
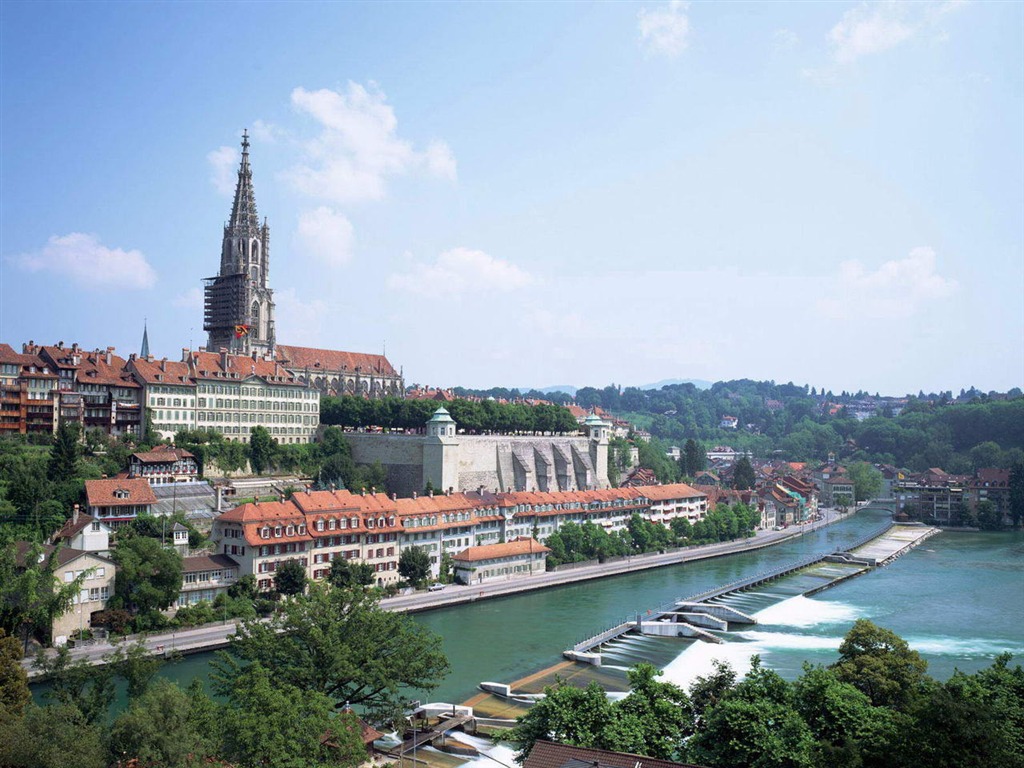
[(144, 352), (243, 211)]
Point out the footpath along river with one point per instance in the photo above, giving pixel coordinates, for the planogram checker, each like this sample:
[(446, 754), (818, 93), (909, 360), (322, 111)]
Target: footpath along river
[(958, 599)]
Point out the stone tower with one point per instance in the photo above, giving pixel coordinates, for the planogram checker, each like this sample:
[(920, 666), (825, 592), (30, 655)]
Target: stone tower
[(239, 304)]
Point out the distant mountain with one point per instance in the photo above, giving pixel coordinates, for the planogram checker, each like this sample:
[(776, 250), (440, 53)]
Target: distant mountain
[(698, 383), (569, 389)]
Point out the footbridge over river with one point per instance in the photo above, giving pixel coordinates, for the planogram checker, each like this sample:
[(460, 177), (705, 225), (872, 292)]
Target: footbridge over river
[(700, 616)]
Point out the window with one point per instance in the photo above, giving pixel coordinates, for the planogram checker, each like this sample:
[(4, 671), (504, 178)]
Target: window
[(319, 525), (265, 533)]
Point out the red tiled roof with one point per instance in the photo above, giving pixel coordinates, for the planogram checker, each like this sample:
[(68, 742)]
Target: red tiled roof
[(198, 563), (254, 517), (162, 454), (673, 491), (524, 545), (162, 371), (300, 358), (71, 526), (95, 369), (214, 366), (100, 493), (548, 754)]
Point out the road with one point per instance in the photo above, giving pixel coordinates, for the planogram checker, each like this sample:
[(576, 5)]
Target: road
[(211, 636)]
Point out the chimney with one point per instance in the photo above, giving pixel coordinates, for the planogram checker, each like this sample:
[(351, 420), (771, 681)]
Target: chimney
[(163, 365), (110, 355), (256, 500), (394, 497), (74, 515), (362, 491), (224, 359), (414, 494), (60, 345), (219, 492), (186, 353), (332, 487)]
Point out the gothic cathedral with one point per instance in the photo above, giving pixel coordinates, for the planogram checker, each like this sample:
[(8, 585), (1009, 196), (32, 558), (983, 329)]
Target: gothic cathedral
[(239, 305)]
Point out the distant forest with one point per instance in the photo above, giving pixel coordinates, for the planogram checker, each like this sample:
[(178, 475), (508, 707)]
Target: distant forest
[(797, 423)]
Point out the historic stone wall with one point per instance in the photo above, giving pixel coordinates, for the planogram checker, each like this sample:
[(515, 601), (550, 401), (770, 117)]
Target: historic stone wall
[(468, 462)]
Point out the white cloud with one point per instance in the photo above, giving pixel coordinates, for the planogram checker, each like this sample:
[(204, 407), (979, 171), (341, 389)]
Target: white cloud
[(440, 160), (327, 235), (358, 147), (872, 28), (82, 259), (785, 39), (301, 318), (664, 31), (896, 289), (266, 133), (190, 299), (223, 169), (461, 270)]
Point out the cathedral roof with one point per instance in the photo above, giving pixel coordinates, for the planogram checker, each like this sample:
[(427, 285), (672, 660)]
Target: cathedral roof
[(300, 358)]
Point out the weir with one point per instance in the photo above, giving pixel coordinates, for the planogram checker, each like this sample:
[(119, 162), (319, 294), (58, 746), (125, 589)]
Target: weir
[(700, 615)]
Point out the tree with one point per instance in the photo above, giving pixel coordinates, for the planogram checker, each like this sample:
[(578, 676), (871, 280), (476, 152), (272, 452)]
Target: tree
[(31, 597), (136, 665), (261, 449), (14, 691), (652, 720), (87, 689), (755, 724), (245, 588), (988, 515), (344, 574), (567, 715), (867, 481), (879, 663), (290, 578), (162, 728), (694, 458), (340, 643), (64, 452), (149, 575), (1017, 493), (48, 737), (743, 475), (414, 565), (269, 721)]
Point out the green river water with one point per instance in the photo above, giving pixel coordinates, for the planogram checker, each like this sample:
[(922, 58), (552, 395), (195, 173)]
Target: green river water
[(958, 599)]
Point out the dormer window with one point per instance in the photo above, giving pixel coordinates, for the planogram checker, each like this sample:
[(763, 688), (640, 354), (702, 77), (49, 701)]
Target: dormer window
[(277, 531), (355, 522), (290, 530), (265, 533), (369, 522), (302, 529), (121, 493), (319, 525), (331, 524)]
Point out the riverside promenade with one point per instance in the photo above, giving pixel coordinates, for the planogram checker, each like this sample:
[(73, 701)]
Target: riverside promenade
[(214, 636)]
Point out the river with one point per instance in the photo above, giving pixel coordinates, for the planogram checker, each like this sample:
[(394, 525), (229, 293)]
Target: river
[(958, 599)]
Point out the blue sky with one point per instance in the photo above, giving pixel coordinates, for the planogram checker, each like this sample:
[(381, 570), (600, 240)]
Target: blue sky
[(527, 194)]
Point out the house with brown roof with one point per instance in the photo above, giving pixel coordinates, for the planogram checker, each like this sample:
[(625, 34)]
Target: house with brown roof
[(120, 500), (520, 557), (204, 577), (83, 532), (549, 754), (96, 590), (164, 464)]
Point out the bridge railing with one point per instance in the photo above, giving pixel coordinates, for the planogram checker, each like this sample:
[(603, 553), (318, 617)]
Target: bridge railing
[(868, 537)]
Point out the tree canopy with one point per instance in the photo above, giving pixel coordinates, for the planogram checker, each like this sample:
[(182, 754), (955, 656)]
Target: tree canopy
[(339, 643)]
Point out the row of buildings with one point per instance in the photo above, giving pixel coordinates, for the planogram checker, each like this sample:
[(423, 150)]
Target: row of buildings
[(45, 385), (486, 535), (944, 498)]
